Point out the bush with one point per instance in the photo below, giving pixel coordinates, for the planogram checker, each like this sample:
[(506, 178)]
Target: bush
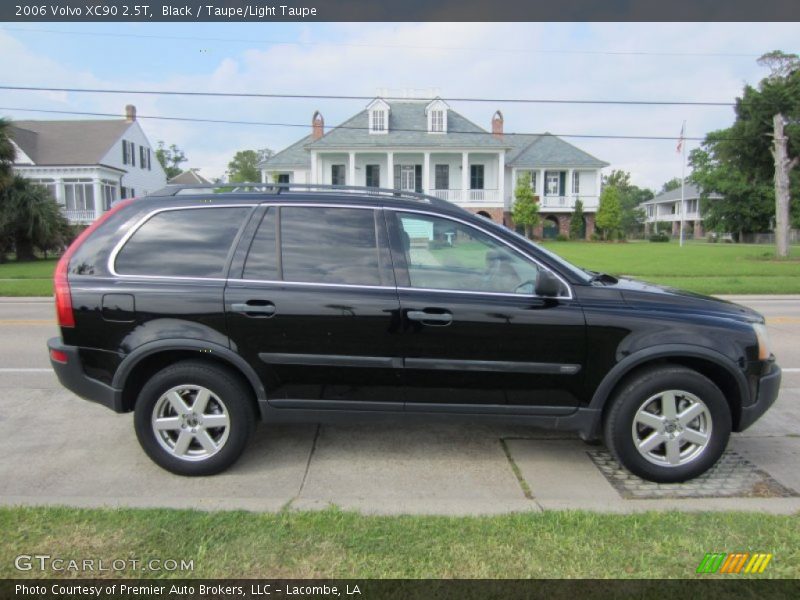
[(595, 237), (562, 238), (659, 237)]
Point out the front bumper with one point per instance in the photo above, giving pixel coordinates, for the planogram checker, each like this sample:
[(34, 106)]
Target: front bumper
[(72, 377), (768, 388)]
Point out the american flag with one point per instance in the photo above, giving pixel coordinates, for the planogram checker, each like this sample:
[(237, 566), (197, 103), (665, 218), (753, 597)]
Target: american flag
[(680, 139)]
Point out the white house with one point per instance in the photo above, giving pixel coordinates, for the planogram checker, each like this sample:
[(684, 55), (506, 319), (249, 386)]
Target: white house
[(427, 146), (89, 164), (663, 213)]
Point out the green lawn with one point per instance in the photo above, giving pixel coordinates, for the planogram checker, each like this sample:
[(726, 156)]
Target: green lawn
[(34, 278), (339, 544)]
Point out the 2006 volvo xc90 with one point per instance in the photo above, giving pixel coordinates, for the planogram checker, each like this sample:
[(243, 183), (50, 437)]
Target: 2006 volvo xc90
[(205, 312)]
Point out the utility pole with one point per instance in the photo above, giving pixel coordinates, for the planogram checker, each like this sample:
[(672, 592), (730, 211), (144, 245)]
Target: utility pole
[(783, 167)]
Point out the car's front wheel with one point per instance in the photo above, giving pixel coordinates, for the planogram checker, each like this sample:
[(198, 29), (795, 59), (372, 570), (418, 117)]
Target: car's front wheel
[(668, 424), (194, 418)]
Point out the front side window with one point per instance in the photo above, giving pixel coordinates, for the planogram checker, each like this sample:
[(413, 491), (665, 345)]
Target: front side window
[(373, 176), (329, 245), (182, 243), (262, 259), (476, 177), (337, 175), (449, 255)]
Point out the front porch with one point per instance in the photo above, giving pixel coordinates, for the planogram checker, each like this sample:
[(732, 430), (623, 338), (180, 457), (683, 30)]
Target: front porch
[(467, 178)]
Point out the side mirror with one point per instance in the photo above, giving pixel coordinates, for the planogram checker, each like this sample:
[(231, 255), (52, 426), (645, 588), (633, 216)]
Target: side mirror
[(547, 284)]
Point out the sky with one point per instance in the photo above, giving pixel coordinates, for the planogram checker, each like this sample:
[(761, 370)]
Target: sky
[(624, 61)]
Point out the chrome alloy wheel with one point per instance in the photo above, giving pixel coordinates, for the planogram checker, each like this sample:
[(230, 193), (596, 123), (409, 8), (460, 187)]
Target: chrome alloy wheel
[(190, 422), (672, 428)]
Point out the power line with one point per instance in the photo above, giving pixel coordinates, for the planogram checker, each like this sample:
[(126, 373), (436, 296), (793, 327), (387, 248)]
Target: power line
[(391, 46), (352, 97), (349, 127)]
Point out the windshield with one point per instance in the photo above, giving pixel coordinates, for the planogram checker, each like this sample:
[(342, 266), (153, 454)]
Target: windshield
[(581, 274)]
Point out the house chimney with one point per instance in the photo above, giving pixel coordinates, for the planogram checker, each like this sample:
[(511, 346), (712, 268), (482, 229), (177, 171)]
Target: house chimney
[(317, 126), (497, 125), (130, 113)]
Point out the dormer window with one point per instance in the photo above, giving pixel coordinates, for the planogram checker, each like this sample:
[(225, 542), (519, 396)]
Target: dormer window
[(437, 116), (378, 111)]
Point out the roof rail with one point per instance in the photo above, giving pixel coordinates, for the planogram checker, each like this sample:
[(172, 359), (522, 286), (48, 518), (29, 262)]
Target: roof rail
[(278, 188)]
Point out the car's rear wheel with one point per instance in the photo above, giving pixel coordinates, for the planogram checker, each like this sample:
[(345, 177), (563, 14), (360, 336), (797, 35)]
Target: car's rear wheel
[(668, 424), (194, 418)]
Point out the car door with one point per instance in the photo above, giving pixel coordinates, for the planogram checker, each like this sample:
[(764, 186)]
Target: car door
[(312, 304), (474, 332)]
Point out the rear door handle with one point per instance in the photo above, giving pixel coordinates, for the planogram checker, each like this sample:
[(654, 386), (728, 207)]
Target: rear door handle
[(429, 318), (255, 310)]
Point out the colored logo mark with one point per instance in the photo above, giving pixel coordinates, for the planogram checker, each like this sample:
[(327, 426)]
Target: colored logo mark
[(734, 563)]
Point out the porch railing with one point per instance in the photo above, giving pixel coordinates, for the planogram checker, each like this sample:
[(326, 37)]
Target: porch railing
[(567, 202), (80, 216), (481, 197)]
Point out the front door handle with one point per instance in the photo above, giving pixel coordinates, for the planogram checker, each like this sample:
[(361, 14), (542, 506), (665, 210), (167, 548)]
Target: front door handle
[(255, 310), (429, 318)]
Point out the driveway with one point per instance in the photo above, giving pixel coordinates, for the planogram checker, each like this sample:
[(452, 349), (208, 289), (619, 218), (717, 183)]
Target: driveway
[(58, 449)]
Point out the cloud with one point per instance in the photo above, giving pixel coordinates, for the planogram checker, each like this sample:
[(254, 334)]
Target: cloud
[(494, 60)]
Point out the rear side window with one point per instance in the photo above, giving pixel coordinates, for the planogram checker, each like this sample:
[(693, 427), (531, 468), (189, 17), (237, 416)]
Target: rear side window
[(182, 243), (262, 260), (329, 245)]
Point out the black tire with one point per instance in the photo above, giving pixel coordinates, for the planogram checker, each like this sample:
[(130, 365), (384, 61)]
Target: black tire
[(625, 405), (228, 393)]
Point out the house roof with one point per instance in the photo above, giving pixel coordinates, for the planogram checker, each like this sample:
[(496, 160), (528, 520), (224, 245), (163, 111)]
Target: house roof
[(67, 142), (546, 150), (690, 191), (189, 177), (295, 155), (408, 126)]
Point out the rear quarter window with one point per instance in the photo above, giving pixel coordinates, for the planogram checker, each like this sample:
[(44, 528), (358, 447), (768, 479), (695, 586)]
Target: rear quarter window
[(182, 243)]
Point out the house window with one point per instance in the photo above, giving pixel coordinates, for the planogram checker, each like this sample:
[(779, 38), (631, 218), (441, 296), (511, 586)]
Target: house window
[(576, 182), (337, 175), (48, 184), (132, 153), (373, 176), (78, 194), (283, 178), (476, 177), (552, 180), (142, 158), (442, 177), (533, 180), (377, 121), (109, 190), (437, 121)]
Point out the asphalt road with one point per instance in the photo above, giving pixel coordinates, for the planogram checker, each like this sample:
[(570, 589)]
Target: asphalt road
[(58, 449)]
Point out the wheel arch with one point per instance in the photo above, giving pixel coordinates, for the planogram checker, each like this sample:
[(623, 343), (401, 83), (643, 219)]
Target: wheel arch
[(139, 365), (721, 370)]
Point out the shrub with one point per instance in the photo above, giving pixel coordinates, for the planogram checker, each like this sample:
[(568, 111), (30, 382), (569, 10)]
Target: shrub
[(562, 238), (594, 237), (659, 237)]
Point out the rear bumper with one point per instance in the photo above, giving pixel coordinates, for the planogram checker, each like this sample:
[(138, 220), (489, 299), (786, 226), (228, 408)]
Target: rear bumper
[(72, 377), (768, 389)]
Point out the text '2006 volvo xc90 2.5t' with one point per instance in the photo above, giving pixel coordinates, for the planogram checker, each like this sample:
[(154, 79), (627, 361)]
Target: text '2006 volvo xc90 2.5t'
[(203, 313)]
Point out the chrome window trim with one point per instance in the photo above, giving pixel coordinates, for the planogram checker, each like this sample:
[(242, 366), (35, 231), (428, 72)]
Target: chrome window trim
[(314, 283), (499, 239), (112, 258)]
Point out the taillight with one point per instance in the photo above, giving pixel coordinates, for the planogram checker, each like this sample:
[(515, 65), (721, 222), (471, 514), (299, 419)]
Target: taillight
[(66, 318)]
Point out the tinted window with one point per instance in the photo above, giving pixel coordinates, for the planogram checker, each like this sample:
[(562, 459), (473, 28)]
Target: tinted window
[(182, 243), (329, 245), (262, 260), (445, 254)]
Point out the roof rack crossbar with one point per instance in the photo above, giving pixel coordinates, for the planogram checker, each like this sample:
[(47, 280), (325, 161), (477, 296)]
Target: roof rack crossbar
[(277, 188)]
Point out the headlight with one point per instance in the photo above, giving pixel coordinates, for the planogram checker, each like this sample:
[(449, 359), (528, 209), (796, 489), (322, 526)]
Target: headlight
[(762, 336)]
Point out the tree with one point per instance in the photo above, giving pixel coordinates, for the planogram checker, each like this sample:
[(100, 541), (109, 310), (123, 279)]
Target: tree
[(31, 219), (609, 213), (244, 166), (525, 211), (737, 162), (7, 153), (672, 184), (576, 227), (630, 197), (170, 158)]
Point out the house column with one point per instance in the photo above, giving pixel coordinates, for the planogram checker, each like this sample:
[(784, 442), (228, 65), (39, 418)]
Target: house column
[(61, 195), (97, 192), (501, 177), (540, 184), (351, 176), (390, 170), (426, 174), (599, 184), (465, 176), (314, 175), (570, 183)]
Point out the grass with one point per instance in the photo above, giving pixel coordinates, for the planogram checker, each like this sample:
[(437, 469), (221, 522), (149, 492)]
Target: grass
[(698, 266), (336, 544)]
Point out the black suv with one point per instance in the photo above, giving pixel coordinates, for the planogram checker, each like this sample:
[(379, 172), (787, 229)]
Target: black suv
[(203, 312)]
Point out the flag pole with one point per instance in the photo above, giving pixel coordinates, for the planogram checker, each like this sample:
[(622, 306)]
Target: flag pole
[(683, 176)]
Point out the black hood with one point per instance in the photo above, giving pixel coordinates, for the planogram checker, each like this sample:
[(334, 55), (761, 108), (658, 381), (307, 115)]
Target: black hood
[(638, 293)]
